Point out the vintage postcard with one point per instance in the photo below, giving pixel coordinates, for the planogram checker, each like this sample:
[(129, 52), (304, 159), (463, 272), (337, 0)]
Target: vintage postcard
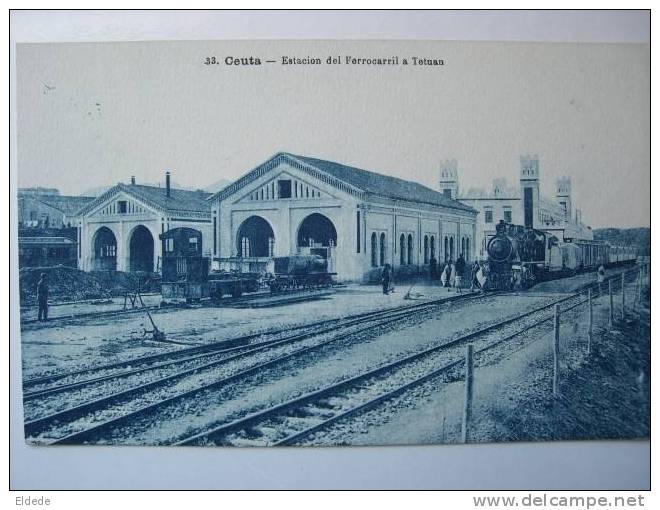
[(315, 243)]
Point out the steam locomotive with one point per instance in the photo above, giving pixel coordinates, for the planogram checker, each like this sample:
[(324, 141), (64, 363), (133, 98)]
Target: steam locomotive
[(186, 273), (520, 257)]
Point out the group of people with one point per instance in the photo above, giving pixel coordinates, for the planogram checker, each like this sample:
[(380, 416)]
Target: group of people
[(451, 274)]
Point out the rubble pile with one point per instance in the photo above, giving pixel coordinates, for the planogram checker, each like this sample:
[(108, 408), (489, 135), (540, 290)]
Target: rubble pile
[(70, 284)]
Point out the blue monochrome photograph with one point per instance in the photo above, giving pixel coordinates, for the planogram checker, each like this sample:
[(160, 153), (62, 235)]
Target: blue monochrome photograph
[(333, 243)]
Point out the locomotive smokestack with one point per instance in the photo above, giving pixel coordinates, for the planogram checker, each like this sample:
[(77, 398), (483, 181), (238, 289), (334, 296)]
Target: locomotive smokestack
[(167, 183)]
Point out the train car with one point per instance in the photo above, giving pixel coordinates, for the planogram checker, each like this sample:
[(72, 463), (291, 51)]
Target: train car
[(186, 275), (184, 270), (519, 257), (299, 271)]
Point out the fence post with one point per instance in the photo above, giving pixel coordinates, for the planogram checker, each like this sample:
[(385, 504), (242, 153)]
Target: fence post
[(623, 295), (467, 403), (555, 378), (591, 323), (609, 288)]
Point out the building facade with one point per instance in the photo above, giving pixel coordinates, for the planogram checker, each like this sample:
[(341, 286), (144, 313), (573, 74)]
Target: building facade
[(357, 220), (46, 208), (120, 229), (523, 204)]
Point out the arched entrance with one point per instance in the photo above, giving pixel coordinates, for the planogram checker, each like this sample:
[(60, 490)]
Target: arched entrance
[(318, 234), (141, 250), (255, 238), (104, 244)]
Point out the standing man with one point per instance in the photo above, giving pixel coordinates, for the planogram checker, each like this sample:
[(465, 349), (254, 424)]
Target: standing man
[(460, 271), (434, 267), (601, 278), (42, 297), (474, 281), (386, 278)]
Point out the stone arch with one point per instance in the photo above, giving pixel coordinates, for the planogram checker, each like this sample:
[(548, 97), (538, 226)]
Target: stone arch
[(141, 250), (317, 231), (255, 238), (104, 249)]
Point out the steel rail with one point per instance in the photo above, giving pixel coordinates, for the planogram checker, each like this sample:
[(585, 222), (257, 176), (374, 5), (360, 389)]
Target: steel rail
[(260, 415), (238, 342), (38, 425)]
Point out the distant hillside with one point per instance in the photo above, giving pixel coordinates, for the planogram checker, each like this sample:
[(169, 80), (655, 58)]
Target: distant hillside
[(638, 237), (217, 186), (96, 192)]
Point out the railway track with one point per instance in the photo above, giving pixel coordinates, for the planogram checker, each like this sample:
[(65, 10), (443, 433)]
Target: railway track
[(298, 419), (241, 431), (101, 432), (44, 384), (373, 320)]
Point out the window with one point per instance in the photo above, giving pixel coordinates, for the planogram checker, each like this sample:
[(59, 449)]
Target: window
[(451, 248), (245, 247), (382, 249), (284, 189), (192, 244), (447, 192), (402, 250), (410, 249), (271, 246), (507, 215), (467, 249), (33, 215), (426, 249), (121, 206), (215, 235), (488, 213), (358, 232), (169, 245), (374, 250), (446, 248), (433, 247)]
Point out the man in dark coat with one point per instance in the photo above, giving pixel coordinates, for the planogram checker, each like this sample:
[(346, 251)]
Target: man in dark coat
[(434, 267), (386, 278), (460, 266), (42, 296)]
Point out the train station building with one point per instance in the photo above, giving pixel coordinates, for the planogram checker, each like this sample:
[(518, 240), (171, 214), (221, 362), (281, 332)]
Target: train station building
[(356, 219), (523, 204), (119, 229)]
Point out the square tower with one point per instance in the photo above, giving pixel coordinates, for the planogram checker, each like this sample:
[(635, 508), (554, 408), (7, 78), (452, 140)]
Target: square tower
[(529, 187), (449, 178), (564, 195)]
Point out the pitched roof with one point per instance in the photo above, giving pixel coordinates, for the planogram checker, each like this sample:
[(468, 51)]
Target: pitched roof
[(364, 182), (179, 200), (383, 185), (67, 204)]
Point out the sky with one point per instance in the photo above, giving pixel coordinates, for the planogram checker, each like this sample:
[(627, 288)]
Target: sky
[(93, 114)]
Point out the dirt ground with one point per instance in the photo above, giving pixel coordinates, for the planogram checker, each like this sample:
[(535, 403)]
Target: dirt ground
[(603, 395)]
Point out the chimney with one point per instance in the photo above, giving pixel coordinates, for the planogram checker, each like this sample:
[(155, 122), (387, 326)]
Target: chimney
[(132, 180), (167, 183)]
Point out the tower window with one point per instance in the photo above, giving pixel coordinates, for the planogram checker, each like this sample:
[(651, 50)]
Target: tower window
[(122, 206)]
